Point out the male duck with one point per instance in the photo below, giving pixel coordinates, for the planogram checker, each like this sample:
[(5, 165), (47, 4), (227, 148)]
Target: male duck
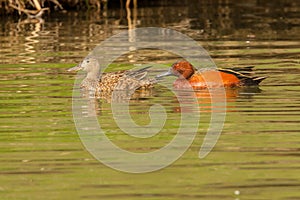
[(188, 76)]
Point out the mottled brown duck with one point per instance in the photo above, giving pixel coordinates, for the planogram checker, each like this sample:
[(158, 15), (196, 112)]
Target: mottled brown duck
[(104, 84)]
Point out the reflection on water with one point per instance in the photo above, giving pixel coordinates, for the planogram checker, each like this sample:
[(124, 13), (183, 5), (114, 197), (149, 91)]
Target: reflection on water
[(74, 34), (256, 155), (31, 40), (208, 104)]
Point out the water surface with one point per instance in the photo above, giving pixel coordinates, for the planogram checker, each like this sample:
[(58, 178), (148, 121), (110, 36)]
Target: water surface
[(257, 153)]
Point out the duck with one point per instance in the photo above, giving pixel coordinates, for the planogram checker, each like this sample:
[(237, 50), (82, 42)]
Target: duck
[(106, 83), (189, 76)]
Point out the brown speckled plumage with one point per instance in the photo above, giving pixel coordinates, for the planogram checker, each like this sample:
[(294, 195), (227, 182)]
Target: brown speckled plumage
[(105, 84)]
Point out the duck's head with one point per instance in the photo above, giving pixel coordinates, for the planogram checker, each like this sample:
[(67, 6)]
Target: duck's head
[(89, 65), (181, 69)]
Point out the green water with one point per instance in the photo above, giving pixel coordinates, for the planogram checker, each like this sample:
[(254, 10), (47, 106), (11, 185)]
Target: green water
[(257, 155)]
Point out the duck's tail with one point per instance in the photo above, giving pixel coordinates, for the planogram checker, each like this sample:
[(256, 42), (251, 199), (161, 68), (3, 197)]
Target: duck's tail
[(252, 81)]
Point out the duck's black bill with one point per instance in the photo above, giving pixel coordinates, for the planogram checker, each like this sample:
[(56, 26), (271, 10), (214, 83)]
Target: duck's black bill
[(168, 73)]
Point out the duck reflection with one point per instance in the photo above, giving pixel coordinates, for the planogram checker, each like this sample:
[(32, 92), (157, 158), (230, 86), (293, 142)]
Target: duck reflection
[(214, 100)]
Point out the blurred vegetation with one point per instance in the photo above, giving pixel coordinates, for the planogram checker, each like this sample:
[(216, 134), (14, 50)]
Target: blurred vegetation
[(36, 8)]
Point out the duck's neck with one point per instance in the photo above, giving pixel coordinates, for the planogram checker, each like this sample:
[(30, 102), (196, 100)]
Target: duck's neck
[(94, 74)]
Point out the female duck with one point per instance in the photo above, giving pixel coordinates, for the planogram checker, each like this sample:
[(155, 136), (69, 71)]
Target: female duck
[(188, 76), (120, 80)]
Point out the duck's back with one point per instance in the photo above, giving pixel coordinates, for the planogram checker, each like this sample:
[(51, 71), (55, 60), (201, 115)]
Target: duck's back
[(125, 80)]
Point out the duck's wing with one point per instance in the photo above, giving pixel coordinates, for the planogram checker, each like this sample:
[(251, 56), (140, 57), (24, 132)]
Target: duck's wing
[(245, 74), (109, 80), (126, 80), (136, 79), (139, 74), (239, 72)]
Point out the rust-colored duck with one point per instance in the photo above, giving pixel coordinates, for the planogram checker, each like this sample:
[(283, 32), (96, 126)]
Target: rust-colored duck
[(188, 76)]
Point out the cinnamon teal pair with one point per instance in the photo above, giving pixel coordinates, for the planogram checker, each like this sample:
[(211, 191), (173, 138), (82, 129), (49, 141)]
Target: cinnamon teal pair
[(198, 79)]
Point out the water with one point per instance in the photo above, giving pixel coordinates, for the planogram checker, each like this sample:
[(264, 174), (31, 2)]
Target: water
[(256, 157)]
